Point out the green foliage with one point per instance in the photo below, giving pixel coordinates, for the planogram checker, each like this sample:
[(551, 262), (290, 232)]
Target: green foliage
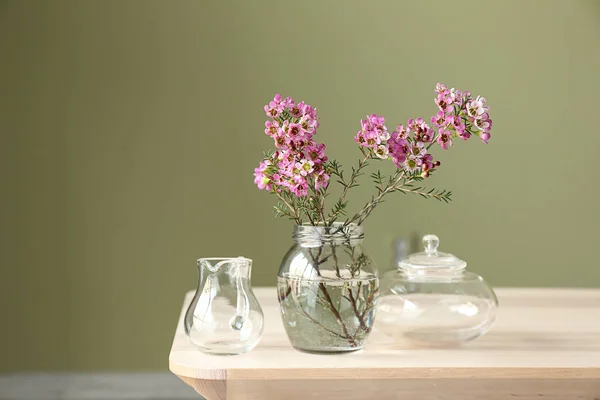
[(308, 208), (281, 210), (338, 209), (441, 195), (312, 207), (378, 180), (285, 115), (268, 155)]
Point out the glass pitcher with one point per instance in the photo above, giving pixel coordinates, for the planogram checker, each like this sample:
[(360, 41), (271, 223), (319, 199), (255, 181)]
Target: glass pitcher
[(224, 316)]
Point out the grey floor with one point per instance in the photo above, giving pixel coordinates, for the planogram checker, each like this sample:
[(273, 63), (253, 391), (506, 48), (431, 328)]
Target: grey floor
[(137, 386)]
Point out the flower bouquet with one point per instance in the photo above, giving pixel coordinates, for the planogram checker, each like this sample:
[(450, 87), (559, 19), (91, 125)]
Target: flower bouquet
[(327, 285)]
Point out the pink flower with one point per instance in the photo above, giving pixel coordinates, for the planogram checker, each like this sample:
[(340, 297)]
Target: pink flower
[(399, 159), (367, 139), (305, 167), (476, 111), (372, 139), (299, 160), (382, 151), (261, 178), (373, 132), (287, 163), (484, 123), (295, 131), (458, 125), (485, 136), (477, 107), (417, 149), (457, 122), (456, 96), (309, 124), (427, 162), (440, 88), (360, 138), (423, 133), (297, 110), (322, 180), (280, 139), (439, 119), (401, 132), (315, 152), (299, 186), (444, 103), (274, 108), (263, 182), (310, 111), (411, 164), (287, 103), (464, 134), (271, 128), (378, 124), (444, 139), (398, 148)]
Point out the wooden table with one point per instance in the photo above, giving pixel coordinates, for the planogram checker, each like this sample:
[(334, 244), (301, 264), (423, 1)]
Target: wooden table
[(544, 345)]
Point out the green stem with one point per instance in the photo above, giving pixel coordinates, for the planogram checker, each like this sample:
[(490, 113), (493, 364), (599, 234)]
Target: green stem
[(355, 174), (368, 208), (292, 209)]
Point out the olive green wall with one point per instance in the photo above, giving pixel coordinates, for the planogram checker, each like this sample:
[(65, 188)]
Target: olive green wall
[(130, 130)]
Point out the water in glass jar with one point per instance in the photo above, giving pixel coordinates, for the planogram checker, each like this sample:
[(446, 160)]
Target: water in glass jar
[(328, 315)]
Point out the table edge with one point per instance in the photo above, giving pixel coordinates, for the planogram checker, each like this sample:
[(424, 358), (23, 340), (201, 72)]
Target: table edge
[(385, 373)]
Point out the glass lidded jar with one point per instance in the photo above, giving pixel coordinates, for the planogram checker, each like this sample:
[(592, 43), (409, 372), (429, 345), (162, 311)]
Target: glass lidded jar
[(327, 289), (432, 300)]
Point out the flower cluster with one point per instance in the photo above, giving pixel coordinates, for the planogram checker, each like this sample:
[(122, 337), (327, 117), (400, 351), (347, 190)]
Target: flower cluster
[(374, 135), (298, 162), (460, 116), (298, 165), (405, 146)]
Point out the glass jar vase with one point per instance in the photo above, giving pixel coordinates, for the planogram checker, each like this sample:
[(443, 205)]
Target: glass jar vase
[(431, 300), (224, 317), (327, 289)]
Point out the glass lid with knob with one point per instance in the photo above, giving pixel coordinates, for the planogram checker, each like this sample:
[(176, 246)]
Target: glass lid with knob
[(431, 259), (431, 300)]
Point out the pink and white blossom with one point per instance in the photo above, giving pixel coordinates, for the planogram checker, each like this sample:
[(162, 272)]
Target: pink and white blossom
[(477, 107), (444, 138), (382, 151)]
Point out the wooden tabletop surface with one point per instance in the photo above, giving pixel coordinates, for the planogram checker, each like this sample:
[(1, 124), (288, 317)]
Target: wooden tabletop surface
[(539, 334)]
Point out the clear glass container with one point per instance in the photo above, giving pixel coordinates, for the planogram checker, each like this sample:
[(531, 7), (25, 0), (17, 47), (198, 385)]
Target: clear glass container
[(224, 316), (431, 300), (327, 289)]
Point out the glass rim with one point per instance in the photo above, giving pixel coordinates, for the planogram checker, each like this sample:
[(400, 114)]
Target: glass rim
[(223, 258), (340, 227), (338, 233)]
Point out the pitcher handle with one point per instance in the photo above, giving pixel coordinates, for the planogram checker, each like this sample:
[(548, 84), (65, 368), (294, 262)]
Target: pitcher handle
[(189, 314), (242, 309)]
